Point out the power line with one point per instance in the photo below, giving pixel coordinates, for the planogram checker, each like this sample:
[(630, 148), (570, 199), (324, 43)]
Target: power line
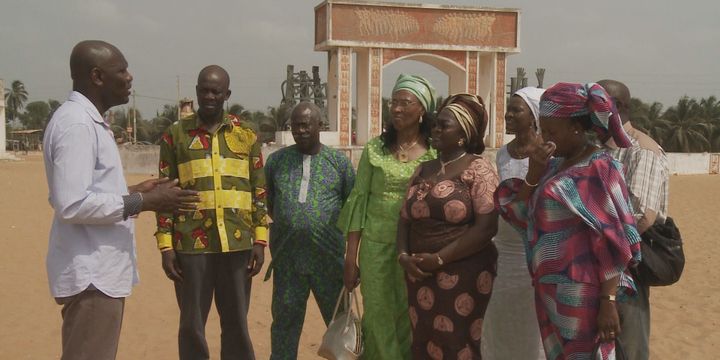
[(155, 98)]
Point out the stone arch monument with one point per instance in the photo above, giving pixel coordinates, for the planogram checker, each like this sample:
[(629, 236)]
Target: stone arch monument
[(468, 44)]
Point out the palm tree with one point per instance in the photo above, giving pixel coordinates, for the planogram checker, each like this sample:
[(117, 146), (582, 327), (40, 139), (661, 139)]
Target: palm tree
[(711, 113), (239, 111), (715, 138), (687, 130), (15, 98), (648, 119), (710, 109), (153, 129), (281, 116)]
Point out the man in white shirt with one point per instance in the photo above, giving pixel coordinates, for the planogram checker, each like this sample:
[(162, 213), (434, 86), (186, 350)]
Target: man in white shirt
[(91, 260)]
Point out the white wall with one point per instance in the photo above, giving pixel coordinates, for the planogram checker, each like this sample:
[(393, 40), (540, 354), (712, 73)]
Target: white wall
[(143, 159), (329, 138), (689, 164)]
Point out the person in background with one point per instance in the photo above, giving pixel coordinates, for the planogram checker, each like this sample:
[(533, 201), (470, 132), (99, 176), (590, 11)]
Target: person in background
[(647, 177), (510, 328)]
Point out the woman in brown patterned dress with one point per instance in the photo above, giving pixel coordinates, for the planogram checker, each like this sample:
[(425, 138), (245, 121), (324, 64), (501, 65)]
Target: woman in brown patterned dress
[(444, 236)]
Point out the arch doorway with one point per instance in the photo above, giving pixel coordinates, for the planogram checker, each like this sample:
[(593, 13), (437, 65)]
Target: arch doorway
[(468, 44)]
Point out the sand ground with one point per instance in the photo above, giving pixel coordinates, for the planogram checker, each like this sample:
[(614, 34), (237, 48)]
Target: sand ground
[(686, 316)]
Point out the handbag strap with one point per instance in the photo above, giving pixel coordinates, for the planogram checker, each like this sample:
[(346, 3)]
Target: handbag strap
[(340, 299), (352, 315), (348, 307)]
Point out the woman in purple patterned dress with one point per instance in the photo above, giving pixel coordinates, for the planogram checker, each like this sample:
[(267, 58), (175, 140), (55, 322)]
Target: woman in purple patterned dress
[(574, 214)]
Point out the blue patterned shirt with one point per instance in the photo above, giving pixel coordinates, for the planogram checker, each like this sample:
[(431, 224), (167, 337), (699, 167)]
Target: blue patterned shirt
[(305, 196)]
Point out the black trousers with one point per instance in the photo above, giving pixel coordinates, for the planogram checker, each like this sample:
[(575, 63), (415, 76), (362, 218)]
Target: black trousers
[(223, 276)]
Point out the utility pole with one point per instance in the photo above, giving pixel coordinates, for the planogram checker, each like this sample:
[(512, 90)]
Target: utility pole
[(540, 74), (177, 103), (2, 119), (134, 120)]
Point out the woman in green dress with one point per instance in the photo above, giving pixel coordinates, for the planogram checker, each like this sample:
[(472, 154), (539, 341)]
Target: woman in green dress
[(371, 214)]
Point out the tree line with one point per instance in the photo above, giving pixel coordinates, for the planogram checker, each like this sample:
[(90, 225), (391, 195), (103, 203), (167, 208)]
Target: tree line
[(691, 125)]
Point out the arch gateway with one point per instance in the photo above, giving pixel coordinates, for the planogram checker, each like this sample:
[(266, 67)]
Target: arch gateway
[(468, 44)]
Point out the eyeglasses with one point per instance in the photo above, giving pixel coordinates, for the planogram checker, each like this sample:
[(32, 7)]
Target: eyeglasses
[(401, 103)]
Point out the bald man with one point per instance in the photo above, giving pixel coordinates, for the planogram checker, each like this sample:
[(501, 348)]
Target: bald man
[(308, 184), (91, 261), (217, 249), (646, 175)]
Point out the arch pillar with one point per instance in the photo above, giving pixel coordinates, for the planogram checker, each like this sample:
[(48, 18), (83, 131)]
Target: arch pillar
[(340, 103)]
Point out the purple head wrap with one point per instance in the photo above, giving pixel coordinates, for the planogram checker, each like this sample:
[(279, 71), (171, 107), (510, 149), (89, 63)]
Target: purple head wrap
[(571, 100)]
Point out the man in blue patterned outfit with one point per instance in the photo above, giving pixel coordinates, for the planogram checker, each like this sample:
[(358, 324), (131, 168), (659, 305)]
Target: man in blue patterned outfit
[(307, 185)]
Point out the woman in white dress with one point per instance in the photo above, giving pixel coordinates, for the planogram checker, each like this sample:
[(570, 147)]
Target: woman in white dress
[(510, 330)]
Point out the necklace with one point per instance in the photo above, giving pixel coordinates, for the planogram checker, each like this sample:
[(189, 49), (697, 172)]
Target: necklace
[(568, 162), (514, 147), (445, 163), (402, 153), (515, 153)]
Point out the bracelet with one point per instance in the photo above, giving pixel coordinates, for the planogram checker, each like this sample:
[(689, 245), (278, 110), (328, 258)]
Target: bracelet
[(262, 243), (401, 254), (610, 298), (166, 249), (440, 260), (531, 185)]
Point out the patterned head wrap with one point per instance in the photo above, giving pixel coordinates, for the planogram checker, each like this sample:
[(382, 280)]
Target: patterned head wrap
[(531, 96), (469, 111), (571, 100), (420, 87)]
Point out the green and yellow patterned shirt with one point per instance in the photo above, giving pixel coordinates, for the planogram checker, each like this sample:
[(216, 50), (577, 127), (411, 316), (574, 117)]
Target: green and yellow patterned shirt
[(226, 167)]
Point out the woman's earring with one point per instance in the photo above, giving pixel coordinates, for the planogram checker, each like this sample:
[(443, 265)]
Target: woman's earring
[(576, 132), (461, 142), (421, 120)]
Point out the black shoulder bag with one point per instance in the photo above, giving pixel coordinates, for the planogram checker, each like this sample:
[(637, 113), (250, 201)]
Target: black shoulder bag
[(663, 259)]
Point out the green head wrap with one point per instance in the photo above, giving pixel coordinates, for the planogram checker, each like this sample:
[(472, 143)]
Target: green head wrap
[(420, 87)]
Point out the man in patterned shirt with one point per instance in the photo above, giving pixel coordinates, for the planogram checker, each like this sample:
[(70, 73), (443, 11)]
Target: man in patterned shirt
[(646, 175), (308, 184), (217, 249)]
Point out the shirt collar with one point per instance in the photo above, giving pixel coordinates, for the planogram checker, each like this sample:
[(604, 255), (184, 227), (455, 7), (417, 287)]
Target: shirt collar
[(322, 149), (192, 122), (89, 107), (630, 130)]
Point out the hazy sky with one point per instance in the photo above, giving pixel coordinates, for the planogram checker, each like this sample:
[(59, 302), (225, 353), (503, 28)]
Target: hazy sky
[(662, 49)]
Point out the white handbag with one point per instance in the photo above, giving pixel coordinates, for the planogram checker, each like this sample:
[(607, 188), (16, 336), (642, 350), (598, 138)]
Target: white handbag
[(343, 337)]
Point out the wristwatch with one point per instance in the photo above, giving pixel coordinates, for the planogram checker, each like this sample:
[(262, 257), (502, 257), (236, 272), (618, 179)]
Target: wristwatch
[(607, 297)]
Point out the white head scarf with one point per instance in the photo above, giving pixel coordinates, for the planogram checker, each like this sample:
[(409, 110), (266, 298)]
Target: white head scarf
[(531, 96)]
